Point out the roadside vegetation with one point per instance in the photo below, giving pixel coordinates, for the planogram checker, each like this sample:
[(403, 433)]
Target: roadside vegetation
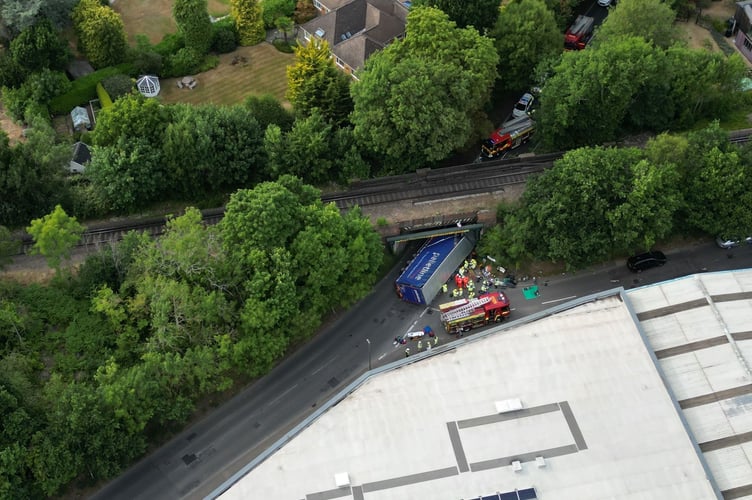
[(103, 362)]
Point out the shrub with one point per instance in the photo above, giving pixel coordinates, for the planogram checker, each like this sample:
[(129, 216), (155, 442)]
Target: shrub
[(84, 89), (117, 85), (170, 45), (283, 46), (147, 62), (104, 97), (183, 62), (224, 36)]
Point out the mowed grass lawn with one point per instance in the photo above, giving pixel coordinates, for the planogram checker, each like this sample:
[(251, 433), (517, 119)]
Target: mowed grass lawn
[(153, 18), (263, 73)]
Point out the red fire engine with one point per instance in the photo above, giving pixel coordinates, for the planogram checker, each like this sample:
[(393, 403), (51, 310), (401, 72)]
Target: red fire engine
[(579, 34), (510, 135), (465, 314)]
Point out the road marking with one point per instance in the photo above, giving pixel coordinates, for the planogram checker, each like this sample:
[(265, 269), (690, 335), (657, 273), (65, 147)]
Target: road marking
[(559, 300), (281, 396), (424, 312), (381, 357), (323, 365)]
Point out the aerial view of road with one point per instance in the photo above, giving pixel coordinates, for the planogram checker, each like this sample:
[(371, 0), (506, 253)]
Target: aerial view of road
[(202, 457)]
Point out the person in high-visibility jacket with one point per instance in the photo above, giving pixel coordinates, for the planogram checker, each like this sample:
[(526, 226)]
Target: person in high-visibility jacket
[(444, 288)]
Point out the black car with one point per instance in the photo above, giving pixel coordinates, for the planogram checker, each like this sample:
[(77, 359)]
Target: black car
[(646, 260)]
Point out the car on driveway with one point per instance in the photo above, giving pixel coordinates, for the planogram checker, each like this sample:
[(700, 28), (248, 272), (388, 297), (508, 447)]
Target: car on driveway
[(524, 105), (643, 261), (726, 242), (604, 3)]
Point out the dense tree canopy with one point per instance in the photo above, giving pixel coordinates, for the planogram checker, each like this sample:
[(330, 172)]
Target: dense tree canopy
[(652, 20), (481, 14), (192, 18), (314, 82), (248, 20), (526, 33), (626, 83), (417, 99), (19, 15), (40, 47), (101, 33)]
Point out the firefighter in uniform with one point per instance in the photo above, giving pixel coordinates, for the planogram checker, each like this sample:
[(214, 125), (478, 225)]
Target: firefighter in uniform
[(407, 352), (444, 288)]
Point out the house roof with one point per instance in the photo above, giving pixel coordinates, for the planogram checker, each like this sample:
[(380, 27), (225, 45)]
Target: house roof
[(360, 27), (645, 393), (81, 153)]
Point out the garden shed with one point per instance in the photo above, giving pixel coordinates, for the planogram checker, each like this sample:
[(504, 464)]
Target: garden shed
[(148, 85)]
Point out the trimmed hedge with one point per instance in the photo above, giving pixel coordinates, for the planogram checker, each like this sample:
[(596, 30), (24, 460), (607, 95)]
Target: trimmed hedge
[(104, 97), (84, 89)]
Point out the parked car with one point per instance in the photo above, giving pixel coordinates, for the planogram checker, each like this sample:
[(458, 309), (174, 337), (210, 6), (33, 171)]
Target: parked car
[(646, 260), (523, 105), (726, 243), (604, 3)]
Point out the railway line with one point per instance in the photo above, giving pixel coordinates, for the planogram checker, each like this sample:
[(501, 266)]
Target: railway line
[(422, 185)]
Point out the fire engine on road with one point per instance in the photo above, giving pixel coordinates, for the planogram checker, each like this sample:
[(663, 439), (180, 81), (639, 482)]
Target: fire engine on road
[(510, 135), (579, 34), (465, 314)]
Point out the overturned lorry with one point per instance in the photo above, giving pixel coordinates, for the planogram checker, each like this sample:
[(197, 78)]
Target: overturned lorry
[(465, 314)]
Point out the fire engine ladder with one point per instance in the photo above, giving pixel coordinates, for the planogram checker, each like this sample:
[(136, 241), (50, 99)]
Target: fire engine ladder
[(463, 311)]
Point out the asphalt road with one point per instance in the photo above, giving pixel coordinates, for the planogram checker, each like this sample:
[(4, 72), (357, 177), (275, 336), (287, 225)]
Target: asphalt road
[(198, 460)]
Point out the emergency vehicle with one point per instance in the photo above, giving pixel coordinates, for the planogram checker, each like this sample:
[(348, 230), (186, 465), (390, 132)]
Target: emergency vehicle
[(465, 314), (579, 34), (510, 135)]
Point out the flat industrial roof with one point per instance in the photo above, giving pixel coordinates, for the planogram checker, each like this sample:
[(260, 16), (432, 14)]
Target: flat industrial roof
[(700, 328), (594, 407)]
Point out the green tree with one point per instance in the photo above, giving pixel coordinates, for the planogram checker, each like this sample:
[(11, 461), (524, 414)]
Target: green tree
[(132, 116), (55, 235), (596, 202), (526, 33), (589, 97), (417, 98), (36, 91), (652, 20), (274, 9), (304, 11), (481, 14), (9, 246), (18, 15), (267, 109), (192, 18), (101, 33), (718, 185), (314, 82), (314, 151), (118, 85), (40, 47), (127, 175), (248, 20)]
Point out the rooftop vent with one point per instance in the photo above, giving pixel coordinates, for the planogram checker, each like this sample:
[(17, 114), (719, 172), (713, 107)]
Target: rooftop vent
[(320, 33), (348, 34)]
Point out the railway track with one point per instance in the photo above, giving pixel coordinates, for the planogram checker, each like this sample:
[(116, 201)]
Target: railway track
[(422, 185)]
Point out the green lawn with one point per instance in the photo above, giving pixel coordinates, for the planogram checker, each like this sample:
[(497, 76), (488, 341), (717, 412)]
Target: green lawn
[(153, 18), (263, 73)]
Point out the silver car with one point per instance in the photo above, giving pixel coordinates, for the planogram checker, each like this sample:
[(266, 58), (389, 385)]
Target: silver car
[(726, 243)]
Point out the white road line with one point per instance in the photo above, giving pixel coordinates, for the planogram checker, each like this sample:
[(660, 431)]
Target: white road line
[(424, 312), (381, 357), (559, 300), (323, 365), (281, 396)]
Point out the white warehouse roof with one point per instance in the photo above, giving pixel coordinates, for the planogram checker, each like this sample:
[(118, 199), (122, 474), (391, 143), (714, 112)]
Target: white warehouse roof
[(613, 392)]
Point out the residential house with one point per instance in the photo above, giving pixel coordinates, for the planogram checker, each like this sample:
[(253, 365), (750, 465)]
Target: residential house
[(743, 37), (355, 29)]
